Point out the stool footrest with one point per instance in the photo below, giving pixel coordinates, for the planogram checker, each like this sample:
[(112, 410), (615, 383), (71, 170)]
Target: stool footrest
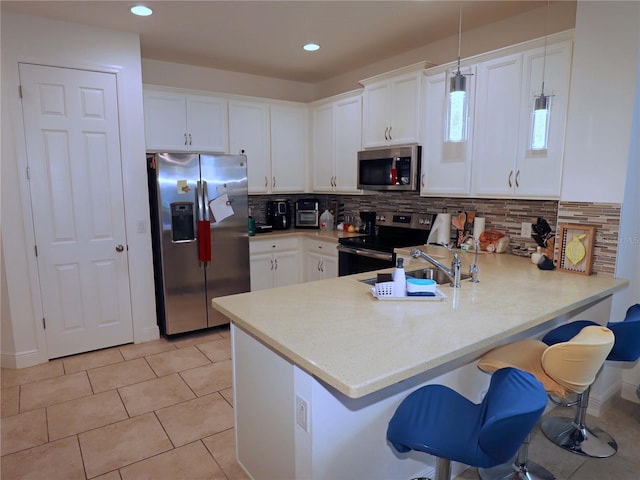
[(512, 471)]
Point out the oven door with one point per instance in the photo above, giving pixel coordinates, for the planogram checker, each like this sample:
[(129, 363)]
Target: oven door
[(353, 260)]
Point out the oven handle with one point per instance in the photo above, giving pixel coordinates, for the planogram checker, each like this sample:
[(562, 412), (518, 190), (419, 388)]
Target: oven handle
[(366, 253)]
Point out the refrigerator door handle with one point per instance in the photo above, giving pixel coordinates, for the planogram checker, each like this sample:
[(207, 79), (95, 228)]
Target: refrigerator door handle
[(204, 225), (205, 201)]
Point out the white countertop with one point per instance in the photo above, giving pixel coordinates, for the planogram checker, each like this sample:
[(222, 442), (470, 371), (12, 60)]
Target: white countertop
[(335, 330)]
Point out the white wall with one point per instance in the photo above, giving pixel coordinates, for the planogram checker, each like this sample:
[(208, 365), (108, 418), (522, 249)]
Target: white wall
[(628, 261), (607, 41), (49, 42)]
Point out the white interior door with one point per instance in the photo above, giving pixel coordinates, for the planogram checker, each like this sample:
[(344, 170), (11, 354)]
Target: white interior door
[(73, 153)]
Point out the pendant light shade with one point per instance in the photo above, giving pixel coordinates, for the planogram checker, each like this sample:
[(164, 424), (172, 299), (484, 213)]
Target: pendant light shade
[(457, 110), (540, 122)]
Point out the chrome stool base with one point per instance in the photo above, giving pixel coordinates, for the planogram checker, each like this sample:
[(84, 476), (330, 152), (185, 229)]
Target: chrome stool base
[(511, 471), (580, 439)]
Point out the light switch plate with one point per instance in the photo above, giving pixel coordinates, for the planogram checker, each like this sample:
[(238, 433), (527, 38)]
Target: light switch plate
[(525, 230)]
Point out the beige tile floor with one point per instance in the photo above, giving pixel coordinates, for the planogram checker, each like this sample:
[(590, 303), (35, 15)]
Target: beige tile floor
[(164, 410), (157, 410)]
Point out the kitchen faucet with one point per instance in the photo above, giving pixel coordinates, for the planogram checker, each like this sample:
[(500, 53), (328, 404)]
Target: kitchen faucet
[(453, 273), (473, 269)]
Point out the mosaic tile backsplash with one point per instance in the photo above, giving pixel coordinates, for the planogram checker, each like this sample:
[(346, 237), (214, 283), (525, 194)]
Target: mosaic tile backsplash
[(505, 215)]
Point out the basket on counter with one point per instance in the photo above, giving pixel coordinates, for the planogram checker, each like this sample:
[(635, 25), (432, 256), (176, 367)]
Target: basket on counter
[(384, 289)]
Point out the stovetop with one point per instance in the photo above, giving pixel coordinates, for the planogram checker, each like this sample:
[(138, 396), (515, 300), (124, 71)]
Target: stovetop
[(394, 230)]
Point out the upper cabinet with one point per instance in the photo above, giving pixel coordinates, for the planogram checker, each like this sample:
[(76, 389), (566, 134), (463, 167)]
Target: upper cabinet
[(180, 122), (503, 162), (273, 137), (496, 160), (446, 166), (391, 108), (288, 148), (249, 134), (336, 140)]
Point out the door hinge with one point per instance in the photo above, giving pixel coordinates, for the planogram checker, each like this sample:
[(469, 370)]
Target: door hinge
[(35, 247), (20, 91), (44, 323)]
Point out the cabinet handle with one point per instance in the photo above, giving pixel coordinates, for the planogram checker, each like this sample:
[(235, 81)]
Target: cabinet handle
[(422, 180), (322, 266), (318, 266), (518, 179), (385, 133), (390, 136), (273, 182), (275, 260), (266, 182), (189, 139), (272, 264), (510, 177), (185, 139)]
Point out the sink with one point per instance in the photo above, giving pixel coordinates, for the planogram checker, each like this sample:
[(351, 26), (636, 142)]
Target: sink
[(429, 273)]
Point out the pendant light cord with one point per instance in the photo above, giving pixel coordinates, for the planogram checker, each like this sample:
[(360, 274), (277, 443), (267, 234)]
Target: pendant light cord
[(459, 37), (544, 58)]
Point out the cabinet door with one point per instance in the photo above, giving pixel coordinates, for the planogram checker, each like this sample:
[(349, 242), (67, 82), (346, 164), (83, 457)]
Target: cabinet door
[(288, 149), (165, 121), (404, 121), (287, 268), (262, 271), (314, 266), (323, 148), (539, 173), (249, 133), (446, 166), (330, 266), (375, 114), (496, 126), (348, 141), (207, 127)]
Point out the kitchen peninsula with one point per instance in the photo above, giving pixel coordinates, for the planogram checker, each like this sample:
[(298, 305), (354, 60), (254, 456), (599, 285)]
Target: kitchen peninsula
[(320, 367)]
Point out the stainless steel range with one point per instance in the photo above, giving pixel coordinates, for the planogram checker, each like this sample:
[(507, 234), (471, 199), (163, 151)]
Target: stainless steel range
[(374, 252)]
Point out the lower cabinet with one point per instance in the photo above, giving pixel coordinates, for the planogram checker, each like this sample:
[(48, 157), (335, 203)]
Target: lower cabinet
[(321, 259), (275, 263)]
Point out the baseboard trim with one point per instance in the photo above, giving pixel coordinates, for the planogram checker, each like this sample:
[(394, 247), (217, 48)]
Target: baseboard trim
[(21, 360)]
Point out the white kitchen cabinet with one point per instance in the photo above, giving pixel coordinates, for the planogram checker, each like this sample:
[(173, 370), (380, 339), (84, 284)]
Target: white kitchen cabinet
[(503, 164), (336, 138), (179, 122), (249, 133), (288, 149), (274, 263), (391, 108), (446, 166), (321, 259)]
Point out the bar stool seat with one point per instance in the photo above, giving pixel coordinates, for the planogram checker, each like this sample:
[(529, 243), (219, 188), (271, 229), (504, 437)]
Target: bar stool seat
[(437, 420), (569, 366), (574, 434)]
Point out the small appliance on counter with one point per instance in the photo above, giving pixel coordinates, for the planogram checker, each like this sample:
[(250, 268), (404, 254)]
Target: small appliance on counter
[(307, 213), (368, 222), (279, 214)]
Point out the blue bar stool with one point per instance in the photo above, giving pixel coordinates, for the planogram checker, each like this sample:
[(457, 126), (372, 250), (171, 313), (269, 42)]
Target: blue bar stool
[(573, 434), (437, 420), (565, 367)]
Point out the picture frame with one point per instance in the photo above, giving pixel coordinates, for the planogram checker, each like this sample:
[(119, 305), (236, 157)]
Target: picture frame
[(575, 249)]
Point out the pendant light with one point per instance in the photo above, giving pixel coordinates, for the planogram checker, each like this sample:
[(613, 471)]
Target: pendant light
[(541, 105), (457, 100)]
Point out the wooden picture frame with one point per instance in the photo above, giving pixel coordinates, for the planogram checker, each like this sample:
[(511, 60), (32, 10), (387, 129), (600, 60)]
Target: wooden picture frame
[(575, 249)]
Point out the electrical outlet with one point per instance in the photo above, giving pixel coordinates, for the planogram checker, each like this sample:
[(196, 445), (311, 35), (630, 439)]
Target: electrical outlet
[(302, 413), (525, 230)]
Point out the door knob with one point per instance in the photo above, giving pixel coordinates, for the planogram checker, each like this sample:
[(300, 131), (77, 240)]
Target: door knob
[(119, 248)]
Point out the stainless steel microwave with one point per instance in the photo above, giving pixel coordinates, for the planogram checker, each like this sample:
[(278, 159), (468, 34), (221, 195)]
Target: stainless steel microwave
[(393, 168)]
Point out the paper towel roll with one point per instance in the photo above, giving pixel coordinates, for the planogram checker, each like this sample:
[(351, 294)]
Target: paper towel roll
[(441, 229), (478, 227)]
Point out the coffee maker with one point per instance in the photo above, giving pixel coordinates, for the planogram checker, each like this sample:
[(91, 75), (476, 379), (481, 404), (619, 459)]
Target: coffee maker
[(368, 222), (279, 214)]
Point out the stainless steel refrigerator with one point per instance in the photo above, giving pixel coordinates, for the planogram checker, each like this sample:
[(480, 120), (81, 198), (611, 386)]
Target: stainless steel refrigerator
[(200, 236)]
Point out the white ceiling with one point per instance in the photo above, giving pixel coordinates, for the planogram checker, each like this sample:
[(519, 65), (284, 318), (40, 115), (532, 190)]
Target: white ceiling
[(266, 37)]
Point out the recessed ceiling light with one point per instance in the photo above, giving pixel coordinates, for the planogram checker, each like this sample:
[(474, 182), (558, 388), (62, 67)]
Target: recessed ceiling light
[(311, 47), (141, 11)]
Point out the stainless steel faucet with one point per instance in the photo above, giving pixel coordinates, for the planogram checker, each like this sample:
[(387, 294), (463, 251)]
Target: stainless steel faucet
[(473, 269), (453, 273)]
